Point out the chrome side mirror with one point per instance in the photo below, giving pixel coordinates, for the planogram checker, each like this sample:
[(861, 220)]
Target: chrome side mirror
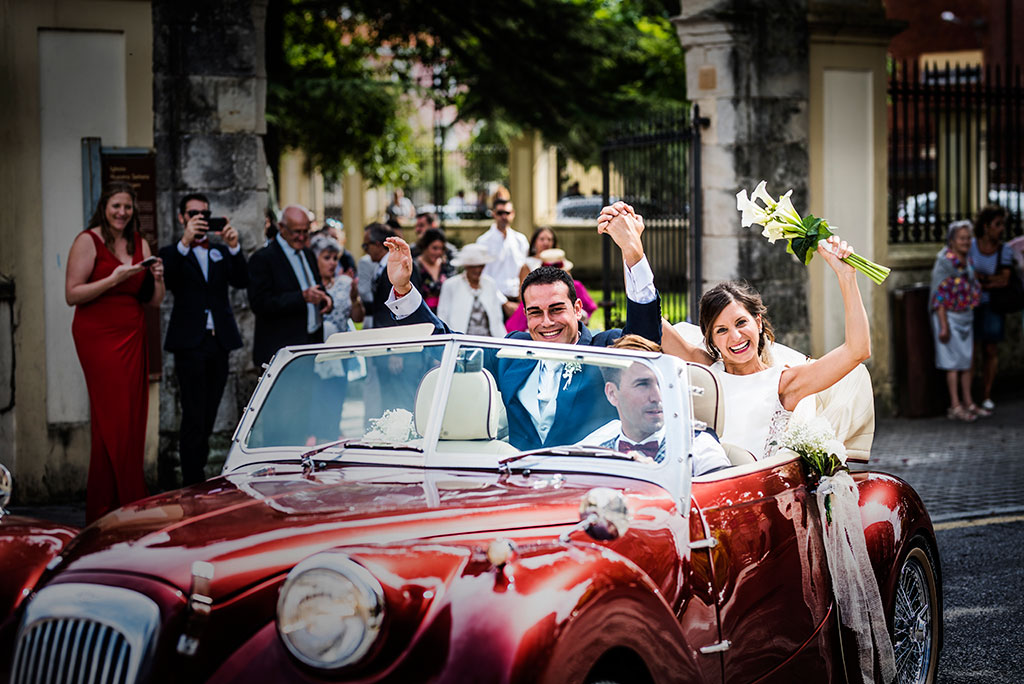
[(604, 514), (6, 485)]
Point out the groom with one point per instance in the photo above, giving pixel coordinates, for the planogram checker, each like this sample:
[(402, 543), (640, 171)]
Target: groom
[(541, 397)]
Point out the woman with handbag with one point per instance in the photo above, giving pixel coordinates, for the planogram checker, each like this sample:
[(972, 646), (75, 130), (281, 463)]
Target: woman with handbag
[(993, 264)]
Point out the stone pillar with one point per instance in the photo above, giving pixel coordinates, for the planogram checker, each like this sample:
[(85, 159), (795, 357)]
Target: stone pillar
[(849, 165), (209, 98), (748, 72), (533, 180)]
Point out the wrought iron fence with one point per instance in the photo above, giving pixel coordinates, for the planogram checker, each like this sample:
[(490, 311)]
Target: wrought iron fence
[(456, 184), (654, 165), (955, 145)]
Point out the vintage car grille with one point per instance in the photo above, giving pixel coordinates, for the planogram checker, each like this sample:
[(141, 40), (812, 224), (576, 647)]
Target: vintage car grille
[(92, 633)]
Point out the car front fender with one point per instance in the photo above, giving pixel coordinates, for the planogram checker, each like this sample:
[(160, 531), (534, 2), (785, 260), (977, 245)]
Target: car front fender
[(892, 514), (549, 614), (26, 546)]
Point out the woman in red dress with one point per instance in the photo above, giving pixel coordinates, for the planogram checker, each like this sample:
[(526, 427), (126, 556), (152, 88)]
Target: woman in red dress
[(107, 283)]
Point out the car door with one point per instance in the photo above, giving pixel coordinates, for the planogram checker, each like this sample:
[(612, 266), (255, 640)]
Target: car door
[(769, 570)]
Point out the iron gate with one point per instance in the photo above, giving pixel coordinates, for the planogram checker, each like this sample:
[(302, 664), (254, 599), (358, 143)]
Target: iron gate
[(654, 165)]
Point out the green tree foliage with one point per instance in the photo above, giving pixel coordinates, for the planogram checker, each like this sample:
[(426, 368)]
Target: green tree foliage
[(568, 68)]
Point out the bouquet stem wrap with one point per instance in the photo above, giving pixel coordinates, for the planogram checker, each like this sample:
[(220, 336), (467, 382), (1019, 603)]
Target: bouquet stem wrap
[(853, 579)]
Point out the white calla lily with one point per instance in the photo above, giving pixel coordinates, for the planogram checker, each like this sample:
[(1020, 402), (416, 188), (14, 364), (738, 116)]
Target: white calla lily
[(752, 212), (773, 230), (761, 193), (786, 212)]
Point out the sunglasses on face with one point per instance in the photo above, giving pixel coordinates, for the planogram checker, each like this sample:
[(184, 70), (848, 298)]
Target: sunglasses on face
[(192, 213), (502, 213)]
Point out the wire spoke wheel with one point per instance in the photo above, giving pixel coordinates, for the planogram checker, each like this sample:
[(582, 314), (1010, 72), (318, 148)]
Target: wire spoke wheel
[(915, 620)]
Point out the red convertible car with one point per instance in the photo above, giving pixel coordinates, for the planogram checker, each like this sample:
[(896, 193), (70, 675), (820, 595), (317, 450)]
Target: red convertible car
[(385, 515)]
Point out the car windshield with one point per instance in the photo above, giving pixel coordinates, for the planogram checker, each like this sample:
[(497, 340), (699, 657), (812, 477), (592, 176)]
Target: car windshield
[(364, 394), (496, 399)]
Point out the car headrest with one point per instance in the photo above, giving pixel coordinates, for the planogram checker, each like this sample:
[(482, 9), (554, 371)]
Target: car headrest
[(474, 405), (709, 403)]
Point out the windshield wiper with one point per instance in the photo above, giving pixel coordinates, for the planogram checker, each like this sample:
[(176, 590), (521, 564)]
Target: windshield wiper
[(565, 450)]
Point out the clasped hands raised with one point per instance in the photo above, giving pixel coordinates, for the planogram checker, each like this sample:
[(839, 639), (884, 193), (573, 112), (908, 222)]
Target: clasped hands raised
[(618, 220)]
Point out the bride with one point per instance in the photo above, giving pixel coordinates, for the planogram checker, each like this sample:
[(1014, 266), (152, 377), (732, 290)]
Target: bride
[(760, 395)]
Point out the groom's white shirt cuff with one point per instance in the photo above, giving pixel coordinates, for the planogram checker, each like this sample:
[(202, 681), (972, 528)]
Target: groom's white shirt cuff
[(639, 288), (640, 282), (404, 307)]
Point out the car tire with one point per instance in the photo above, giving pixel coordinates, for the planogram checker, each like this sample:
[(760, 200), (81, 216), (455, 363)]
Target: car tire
[(916, 616)]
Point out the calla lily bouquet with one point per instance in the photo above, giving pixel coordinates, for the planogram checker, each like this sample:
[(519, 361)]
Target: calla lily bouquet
[(781, 221)]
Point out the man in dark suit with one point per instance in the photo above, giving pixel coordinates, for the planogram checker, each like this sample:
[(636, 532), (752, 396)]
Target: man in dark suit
[(202, 329), (544, 402), (285, 290)]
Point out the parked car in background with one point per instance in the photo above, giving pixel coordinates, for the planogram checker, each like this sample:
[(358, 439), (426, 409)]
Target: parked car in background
[(923, 208), (421, 544), (579, 207)]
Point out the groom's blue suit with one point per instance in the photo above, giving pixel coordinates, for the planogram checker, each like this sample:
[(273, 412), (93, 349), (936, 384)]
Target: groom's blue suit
[(581, 407)]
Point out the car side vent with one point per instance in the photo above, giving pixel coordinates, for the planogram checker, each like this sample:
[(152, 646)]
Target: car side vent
[(85, 633)]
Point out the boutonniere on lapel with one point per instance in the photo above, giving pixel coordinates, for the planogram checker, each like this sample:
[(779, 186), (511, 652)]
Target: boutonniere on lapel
[(570, 369), (215, 255)]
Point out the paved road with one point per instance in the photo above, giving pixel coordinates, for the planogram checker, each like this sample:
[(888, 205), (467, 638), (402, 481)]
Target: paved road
[(961, 470), (983, 588)]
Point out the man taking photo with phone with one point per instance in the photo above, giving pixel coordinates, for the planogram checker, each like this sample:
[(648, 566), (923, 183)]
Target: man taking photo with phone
[(202, 331)]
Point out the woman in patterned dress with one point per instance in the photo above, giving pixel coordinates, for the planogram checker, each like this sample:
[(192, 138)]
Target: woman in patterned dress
[(955, 292)]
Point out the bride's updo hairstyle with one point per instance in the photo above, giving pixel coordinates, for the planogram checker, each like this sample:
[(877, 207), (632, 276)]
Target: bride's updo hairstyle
[(722, 295)]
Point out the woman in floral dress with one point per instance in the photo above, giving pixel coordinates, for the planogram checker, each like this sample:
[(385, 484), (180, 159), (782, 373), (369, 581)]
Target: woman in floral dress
[(955, 292)]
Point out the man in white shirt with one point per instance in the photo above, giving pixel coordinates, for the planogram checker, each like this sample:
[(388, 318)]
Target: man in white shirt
[(508, 247), (640, 429)]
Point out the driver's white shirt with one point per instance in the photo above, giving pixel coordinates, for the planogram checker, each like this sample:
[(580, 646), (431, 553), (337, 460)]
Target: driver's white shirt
[(708, 454)]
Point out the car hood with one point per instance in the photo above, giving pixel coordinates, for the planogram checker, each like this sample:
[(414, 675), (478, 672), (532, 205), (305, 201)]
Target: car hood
[(254, 526)]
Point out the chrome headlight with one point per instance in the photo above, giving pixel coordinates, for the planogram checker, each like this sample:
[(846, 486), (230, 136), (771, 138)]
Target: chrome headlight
[(330, 611)]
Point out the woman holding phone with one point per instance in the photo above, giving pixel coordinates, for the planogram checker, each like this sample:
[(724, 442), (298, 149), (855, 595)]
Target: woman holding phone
[(110, 276)]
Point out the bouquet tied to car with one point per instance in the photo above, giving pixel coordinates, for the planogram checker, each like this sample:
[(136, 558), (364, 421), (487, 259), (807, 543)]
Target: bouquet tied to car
[(853, 580)]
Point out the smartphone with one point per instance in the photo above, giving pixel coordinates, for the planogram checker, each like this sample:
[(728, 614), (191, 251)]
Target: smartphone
[(147, 261), (216, 224)]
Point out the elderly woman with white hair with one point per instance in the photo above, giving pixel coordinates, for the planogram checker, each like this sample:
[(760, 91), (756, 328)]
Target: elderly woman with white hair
[(471, 301), (328, 394), (954, 293)]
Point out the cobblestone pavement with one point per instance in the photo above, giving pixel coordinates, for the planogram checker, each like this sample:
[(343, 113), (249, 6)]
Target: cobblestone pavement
[(961, 470)]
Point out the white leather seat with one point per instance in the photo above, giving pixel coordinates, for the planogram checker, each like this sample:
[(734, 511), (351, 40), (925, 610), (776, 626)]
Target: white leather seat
[(473, 417), (709, 408)]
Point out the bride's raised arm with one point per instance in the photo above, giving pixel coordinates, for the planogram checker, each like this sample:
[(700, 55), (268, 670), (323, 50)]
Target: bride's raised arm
[(672, 342), (803, 380)]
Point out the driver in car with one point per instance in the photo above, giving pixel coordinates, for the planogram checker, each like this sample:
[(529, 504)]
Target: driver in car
[(640, 427)]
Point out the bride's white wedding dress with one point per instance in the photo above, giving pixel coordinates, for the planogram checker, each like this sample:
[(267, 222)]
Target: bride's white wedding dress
[(754, 417)]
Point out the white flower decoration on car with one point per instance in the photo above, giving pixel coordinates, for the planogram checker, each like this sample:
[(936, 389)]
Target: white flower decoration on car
[(570, 369), (396, 425)]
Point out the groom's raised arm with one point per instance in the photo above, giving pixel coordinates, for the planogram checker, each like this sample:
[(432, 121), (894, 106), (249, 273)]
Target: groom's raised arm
[(405, 302), (643, 308)]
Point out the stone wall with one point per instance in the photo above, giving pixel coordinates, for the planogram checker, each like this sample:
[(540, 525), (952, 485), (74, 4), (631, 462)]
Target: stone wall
[(748, 72), (209, 97)]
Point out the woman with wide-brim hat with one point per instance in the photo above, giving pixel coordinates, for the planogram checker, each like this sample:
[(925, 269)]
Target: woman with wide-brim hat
[(470, 301)]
